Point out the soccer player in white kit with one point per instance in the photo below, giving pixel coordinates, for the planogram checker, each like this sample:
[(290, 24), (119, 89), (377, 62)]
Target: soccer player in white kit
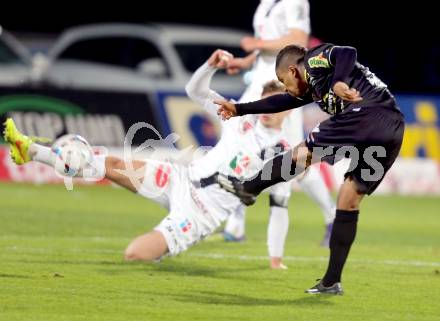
[(197, 205), (278, 23)]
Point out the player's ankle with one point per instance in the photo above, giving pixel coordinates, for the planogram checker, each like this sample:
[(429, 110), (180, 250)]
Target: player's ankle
[(277, 263)]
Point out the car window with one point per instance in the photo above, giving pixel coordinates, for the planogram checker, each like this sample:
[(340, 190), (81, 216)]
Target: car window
[(128, 52), (7, 55), (194, 55)]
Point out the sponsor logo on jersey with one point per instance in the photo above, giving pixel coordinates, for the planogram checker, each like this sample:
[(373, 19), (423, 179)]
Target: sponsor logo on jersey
[(162, 175), (318, 62), (239, 163)]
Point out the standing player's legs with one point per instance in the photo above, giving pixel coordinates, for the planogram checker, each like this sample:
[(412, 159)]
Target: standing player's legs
[(381, 135)]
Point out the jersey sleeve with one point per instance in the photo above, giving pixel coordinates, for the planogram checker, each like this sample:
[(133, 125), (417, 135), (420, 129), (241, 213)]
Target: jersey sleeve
[(271, 104), (297, 14), (343, 60), (318, 58), (198, 89), (339, 60)]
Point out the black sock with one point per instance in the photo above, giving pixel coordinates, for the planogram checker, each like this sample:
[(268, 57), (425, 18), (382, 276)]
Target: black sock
[(343, 234), (281, 168)]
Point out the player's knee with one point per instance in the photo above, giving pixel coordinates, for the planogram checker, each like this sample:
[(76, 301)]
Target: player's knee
[(131, 254), (348, 206), (278, 201), (348, 203)]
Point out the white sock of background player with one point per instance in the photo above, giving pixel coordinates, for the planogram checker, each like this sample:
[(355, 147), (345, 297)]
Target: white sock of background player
[(276, 234)]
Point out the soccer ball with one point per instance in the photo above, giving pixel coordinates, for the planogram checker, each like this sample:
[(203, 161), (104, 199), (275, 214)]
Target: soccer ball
[(73, 153)]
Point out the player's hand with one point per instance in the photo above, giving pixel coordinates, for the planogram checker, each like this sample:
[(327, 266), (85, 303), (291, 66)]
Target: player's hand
[(226, 109), (220, 59), (342, 90), (235, 65), (249, 44)]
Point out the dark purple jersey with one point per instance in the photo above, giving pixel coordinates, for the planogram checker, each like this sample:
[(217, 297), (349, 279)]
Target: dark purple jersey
[(325, 65)]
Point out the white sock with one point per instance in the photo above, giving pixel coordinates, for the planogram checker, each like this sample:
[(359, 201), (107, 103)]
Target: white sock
[(95, 169), (277, 230), (235, 225), (42, 154), (313, 185)]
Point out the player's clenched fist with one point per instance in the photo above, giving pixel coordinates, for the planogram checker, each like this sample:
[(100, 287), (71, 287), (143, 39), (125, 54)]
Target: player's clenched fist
[(226, 109), (220, 59)]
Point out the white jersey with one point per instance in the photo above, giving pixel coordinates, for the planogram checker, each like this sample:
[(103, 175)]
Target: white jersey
[(274, 19), (241, 150)]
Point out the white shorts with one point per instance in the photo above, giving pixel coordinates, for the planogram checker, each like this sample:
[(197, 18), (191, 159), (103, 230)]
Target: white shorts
[(188, 220)]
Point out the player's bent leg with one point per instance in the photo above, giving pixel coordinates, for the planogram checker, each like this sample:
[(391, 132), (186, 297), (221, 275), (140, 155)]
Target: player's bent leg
[(281, 168), (148, 247), (131, 178)]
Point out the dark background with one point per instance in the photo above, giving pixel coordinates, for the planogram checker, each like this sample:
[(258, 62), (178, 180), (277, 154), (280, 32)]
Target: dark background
[(398, 40)]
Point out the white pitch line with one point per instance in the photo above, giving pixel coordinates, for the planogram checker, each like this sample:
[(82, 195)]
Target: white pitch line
[(219, 256)]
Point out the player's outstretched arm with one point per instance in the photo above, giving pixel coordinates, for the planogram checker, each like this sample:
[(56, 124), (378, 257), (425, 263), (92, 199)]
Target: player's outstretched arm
[(198, 87), (271, 104)]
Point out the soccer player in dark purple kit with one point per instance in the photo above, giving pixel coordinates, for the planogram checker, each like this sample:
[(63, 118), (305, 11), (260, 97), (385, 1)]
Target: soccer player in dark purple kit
[(366, 126)]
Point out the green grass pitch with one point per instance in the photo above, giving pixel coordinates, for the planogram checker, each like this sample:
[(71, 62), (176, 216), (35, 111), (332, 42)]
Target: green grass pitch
[(61, 259)]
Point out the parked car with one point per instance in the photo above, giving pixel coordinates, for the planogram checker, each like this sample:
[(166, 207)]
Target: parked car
[(131, 57), (99, 80)]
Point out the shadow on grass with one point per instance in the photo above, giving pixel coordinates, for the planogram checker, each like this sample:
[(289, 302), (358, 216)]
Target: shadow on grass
[(175, 267), (231, 299), (73, 262), (186, 268), (14, 276)]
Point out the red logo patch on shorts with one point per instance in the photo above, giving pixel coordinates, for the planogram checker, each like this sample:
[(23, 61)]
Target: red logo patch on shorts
[(162, 175)]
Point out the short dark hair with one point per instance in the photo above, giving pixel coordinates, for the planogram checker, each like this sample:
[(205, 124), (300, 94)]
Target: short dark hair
[(290, 55), (273, 86)]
